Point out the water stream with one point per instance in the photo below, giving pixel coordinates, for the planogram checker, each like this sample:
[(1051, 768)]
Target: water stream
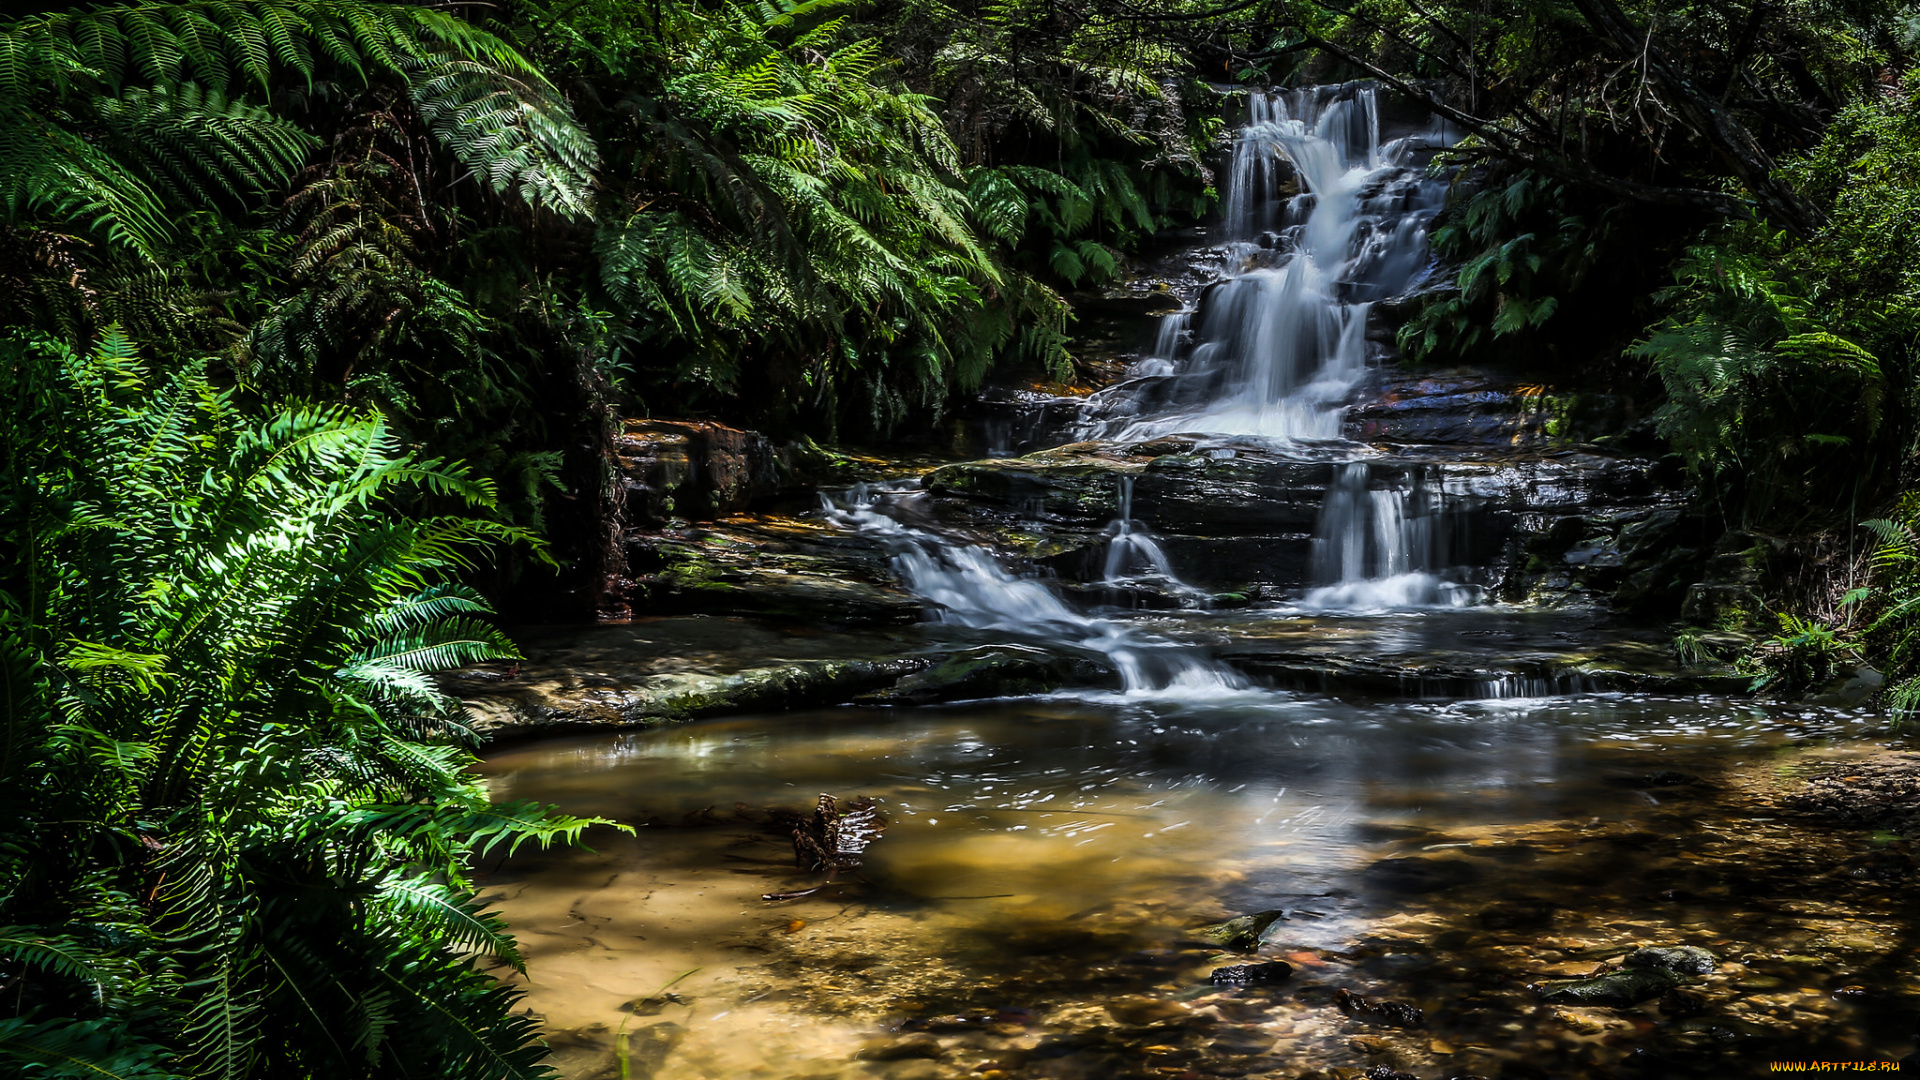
[(1030, 911), (1381, 549), (1133, 553), (970, 588)]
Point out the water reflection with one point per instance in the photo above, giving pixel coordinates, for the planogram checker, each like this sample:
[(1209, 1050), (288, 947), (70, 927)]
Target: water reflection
[(1034, 845)]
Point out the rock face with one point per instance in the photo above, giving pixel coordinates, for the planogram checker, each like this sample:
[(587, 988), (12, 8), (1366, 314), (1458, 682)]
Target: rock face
[(1481, 469), (1413, 875), (688, 546), (989, 671), (1472, 408), (1241, 516), (695, 470), (770, 565), (667, 670), (677, 668)]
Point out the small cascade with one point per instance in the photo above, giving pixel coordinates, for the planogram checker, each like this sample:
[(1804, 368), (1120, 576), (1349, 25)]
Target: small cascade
[(1381, 548), (1280, 346), (1134, 556), (971, 589)]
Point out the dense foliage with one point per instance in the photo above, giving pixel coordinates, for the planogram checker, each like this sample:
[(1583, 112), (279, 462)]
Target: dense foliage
[(238, 820), (272, 266)]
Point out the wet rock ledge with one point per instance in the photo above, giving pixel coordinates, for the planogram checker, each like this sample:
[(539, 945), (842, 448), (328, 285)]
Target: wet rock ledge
[(672, 669)]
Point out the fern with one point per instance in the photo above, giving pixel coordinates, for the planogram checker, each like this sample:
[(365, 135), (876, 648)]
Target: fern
[(111, 116), (67, 1049), (437, 912), (1762, 399), (222, 658)]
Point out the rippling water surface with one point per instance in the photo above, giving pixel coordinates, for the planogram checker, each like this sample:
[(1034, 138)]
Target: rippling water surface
[(1030, 909)]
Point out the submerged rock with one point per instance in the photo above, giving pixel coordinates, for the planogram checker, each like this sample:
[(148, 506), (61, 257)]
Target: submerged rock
[(1383, 1013), (1243, 934), (1617, 989), (917, 1045), (1528, 916), (1680, 1004), (1251, 974), (1657, 778), (1141, 1012), (1879, 792), (1677, 959), (647, 1050)]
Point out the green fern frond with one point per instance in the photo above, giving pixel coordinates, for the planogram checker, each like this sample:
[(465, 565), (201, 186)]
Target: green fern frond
[(445, 914), (68, 1049)]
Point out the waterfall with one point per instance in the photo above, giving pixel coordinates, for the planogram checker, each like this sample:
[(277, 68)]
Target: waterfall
[(1133, 554), (1323, 218), (1380, 548), (1280, 346), (971, 589)]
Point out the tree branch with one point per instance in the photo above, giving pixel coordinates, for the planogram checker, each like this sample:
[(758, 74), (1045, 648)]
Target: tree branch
[(1502, 144)]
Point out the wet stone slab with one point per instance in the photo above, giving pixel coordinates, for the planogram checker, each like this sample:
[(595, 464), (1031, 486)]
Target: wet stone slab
[(1239, 514), (678, 668)]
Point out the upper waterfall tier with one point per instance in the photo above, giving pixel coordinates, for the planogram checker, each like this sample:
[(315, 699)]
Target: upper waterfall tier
[(1323, 218)]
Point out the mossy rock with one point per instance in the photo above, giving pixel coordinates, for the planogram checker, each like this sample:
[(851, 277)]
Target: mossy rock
[(1617, 989), (1243, 934)]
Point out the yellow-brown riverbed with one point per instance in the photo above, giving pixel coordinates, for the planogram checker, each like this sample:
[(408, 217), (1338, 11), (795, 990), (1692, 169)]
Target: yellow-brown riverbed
[(1030, 909)]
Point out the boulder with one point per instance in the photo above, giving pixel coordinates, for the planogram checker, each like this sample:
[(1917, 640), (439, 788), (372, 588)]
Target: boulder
[(691, 469), (768, 565), (1674, 959), (1251, 975)]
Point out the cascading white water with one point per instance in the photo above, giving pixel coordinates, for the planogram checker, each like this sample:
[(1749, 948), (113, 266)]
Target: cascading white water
[(971, 589), (1281, 345), (1323, 218), (1134, 555), (1380, 548)]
